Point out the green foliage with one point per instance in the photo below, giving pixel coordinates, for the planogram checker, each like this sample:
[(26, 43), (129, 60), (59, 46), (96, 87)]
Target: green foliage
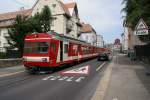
[(17, 34), (40, 22), (46, 19), (136, 9), (3, 55)]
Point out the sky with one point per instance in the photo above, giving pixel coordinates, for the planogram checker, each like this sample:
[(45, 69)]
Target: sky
[(104, 15)]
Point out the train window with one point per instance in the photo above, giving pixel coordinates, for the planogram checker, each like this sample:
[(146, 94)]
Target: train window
[(36, 47), (66, 48)]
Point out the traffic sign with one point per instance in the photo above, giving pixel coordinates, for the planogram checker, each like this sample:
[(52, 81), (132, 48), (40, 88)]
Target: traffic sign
[(82, 70), (141, 28)]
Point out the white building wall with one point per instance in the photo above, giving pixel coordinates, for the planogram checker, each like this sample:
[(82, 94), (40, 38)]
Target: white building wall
[(88, 37), (126, 33), (100, 41), (54, 5), (3, 41), (60, 21)]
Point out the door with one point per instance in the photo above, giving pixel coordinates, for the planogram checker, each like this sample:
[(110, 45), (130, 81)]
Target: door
[(54, 46), (61, 50)]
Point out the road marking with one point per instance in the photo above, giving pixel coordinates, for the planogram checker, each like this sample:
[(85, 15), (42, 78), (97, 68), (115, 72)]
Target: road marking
[(10, 74), (69, 79), (47, 78), (103, 84), (115, 98), (80, 79), (64, 78), (100, 66), (55, 78), (82, 70)]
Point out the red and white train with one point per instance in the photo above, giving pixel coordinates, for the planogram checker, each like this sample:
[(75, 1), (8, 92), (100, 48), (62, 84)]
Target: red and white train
[(49, 50)]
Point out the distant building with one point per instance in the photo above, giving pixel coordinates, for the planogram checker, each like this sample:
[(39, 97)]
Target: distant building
[(66, 19), (124, 42), (100, 41), (129, 39), (88, 34)]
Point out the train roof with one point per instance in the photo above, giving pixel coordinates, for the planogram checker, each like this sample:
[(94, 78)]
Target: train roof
[(57, 36)]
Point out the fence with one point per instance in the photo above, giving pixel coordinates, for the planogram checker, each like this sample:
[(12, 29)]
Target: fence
[(142, 52), (10, 62), (10, 54)]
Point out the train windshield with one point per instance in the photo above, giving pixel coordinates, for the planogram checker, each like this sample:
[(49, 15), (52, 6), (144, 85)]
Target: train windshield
[(36, 47)]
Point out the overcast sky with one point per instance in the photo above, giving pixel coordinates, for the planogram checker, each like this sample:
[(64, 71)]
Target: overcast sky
[(104, 15)]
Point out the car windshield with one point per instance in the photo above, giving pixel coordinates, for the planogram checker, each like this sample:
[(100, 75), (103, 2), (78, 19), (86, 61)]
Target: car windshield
[(103, 54), (36, 47)]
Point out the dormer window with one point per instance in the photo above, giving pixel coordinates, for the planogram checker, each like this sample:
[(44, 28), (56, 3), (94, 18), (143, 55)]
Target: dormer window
[(54, 5)]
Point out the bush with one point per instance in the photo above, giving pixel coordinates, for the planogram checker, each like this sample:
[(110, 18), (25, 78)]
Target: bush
[(3, 55)]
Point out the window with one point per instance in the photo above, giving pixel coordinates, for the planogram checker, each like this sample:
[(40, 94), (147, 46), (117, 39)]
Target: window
[(36, 47), (5, 34), (5, 44), (54, 5), (66, 48), (52, 23)]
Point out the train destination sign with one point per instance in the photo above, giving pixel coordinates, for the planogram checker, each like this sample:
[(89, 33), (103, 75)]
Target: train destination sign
[(141, 28)]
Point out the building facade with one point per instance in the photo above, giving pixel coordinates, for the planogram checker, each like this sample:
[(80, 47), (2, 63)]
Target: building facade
[(88, 34), (129, 39), (65, 19), (100, 41)]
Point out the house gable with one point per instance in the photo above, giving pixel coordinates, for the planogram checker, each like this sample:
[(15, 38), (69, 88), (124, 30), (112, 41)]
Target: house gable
[(73, 9), (56, 7)]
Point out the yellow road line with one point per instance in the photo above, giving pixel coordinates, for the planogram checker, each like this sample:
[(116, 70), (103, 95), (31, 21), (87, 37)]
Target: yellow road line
[(100, 66), (4, 75)]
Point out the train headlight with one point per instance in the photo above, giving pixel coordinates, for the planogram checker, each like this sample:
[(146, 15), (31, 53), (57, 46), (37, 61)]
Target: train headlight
[(44, 59), (24, 59)]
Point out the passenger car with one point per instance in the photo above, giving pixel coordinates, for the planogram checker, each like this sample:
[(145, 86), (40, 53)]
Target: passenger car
[(103, 56)]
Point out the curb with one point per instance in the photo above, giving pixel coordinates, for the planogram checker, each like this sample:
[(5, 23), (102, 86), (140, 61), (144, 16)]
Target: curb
[(103, 84)]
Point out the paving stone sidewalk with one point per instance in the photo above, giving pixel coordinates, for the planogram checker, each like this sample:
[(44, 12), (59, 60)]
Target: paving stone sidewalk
[(128, 81)]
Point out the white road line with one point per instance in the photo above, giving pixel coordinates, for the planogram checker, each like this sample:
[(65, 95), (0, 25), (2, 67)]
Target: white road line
[(10, 74), (100, 66), (115, 98)]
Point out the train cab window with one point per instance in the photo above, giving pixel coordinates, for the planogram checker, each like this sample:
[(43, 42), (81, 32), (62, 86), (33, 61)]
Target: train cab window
[(66, 48), (36, 47)]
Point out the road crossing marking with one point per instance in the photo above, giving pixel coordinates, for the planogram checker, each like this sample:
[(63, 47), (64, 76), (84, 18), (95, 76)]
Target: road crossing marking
[(100, 66), (80, 79), (64, 78)]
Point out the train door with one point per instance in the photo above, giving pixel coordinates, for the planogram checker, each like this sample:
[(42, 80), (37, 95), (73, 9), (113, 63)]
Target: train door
[(61, 50), (54, 50)]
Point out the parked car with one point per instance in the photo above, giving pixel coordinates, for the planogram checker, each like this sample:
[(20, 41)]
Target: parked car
[(103, 57)]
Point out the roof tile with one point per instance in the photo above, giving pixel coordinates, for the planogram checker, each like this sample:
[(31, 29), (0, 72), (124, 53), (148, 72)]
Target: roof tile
[(12, 15)]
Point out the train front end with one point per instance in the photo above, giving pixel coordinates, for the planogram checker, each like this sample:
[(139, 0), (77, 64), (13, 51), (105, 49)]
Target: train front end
[(37, 51)]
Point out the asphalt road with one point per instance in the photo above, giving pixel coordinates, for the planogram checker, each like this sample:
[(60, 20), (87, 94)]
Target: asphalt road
[(54, 86)]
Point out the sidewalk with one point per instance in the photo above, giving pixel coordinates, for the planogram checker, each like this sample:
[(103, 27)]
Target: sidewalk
[(128, 81), (14, 69)]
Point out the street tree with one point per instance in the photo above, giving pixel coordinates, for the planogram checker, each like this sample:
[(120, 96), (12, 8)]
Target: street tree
[(16, 34), (136, 9), (22, 25), (46, 19)]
